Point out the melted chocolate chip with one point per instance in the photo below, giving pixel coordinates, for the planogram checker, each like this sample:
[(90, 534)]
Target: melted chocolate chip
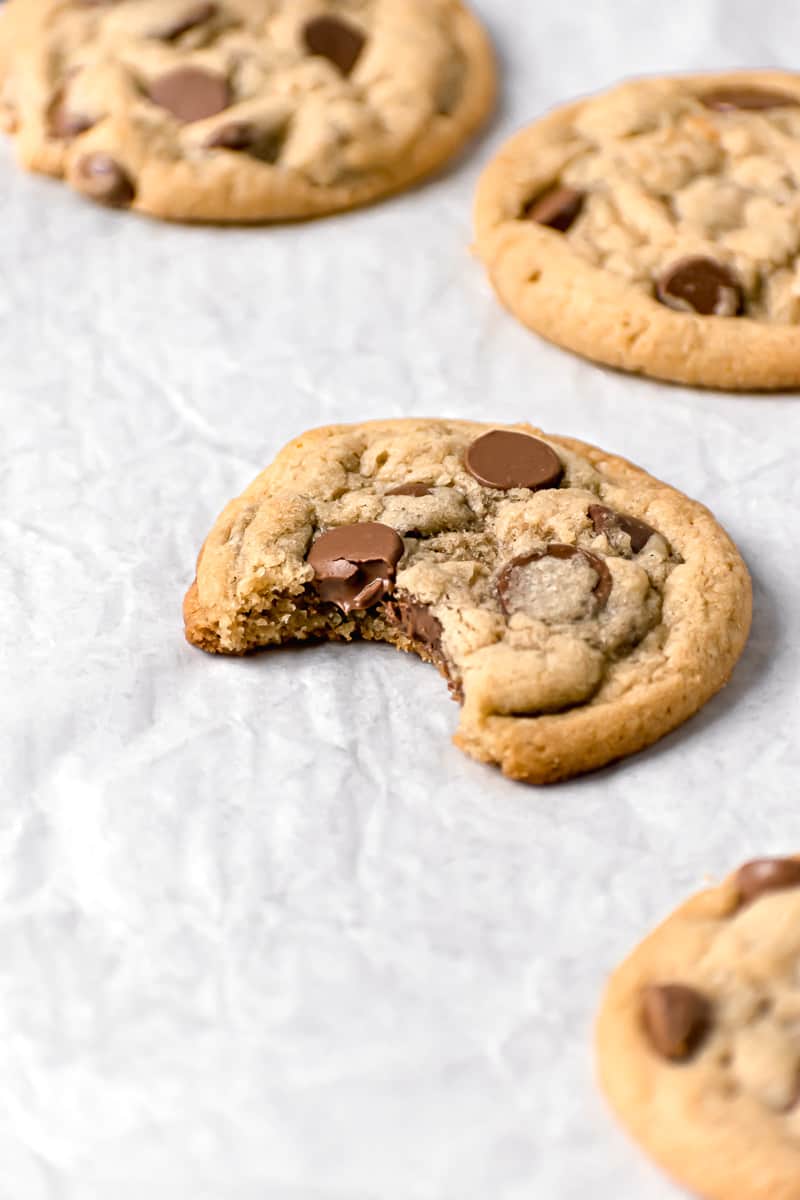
[(336, 40), (410, 489), (764, 875), (354, 565), (506, 579), (246, 137), (558, 208), (100, 177), (183, 22), (503, 459), (676, 1019), (417, 621), (191, 93), (752, 99), (701, 285), (606, 520)]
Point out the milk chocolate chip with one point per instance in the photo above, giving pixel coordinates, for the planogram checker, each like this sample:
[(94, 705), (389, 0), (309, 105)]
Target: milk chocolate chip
[(336, 40), (101, 178), (676, 1019), (416, 620), (752, 99), (701, 285), (558, 208), (410, 489), (354, 565), (510, 582), (606, 520), (763, 875), (183, 22), (191, 93), (503, 459)]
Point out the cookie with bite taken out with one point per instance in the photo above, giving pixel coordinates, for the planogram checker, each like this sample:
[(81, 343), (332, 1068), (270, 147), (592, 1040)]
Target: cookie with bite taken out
[(578, 608)]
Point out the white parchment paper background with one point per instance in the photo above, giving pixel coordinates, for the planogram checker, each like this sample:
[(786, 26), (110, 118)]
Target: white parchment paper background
[(264, 934)]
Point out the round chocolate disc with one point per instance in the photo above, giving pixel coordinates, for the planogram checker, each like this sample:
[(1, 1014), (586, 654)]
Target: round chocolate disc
[(504, 459), (701, 285), (336, 40), (191, 93)]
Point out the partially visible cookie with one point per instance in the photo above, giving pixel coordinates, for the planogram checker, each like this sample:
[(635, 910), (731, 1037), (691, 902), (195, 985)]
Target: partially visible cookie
[(578, 608), (656, 228), (698, 1038), (241, 110)]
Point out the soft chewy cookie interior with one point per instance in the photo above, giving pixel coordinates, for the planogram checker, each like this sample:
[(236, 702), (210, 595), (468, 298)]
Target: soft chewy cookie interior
[(533, 579)]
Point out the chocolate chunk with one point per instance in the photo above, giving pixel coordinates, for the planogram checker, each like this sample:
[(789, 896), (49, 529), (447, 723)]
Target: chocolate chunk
[(354, 565), (752, 99), (701, 285), (101, 178), (410, 489), (265, 145), (506, 582), (191, 93), (183, 22), (503, 459), (764, 875), (416, 620), (606, 520), (558, 208), (335, 40), (677, 1020)]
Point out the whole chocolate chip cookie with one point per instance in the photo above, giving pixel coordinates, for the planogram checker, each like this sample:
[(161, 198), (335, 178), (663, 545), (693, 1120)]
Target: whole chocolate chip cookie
[(656, 228), (578, 608), (241, 110), (698, 1038)]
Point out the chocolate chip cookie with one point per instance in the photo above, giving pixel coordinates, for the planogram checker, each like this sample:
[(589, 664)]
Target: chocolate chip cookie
[(656, 228), (578, 608), (699, 1038), (241, 110)]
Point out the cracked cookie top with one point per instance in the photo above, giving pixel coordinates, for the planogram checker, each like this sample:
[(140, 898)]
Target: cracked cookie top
[(699, 1037), (676, 201), (242, 109), (535, 575)]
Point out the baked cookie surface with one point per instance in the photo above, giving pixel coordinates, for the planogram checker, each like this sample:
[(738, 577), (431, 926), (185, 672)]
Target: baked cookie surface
[(656, 228), (579, 608), (699, 1038), (241, 110)]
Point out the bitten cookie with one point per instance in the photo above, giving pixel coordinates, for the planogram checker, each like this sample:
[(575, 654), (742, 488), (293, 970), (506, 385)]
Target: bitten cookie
[(699, 1038), (656, 228), (578, 608), (241, 110)]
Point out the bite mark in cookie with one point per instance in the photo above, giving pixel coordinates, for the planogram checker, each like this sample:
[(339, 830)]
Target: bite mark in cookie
[(489, 552)]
